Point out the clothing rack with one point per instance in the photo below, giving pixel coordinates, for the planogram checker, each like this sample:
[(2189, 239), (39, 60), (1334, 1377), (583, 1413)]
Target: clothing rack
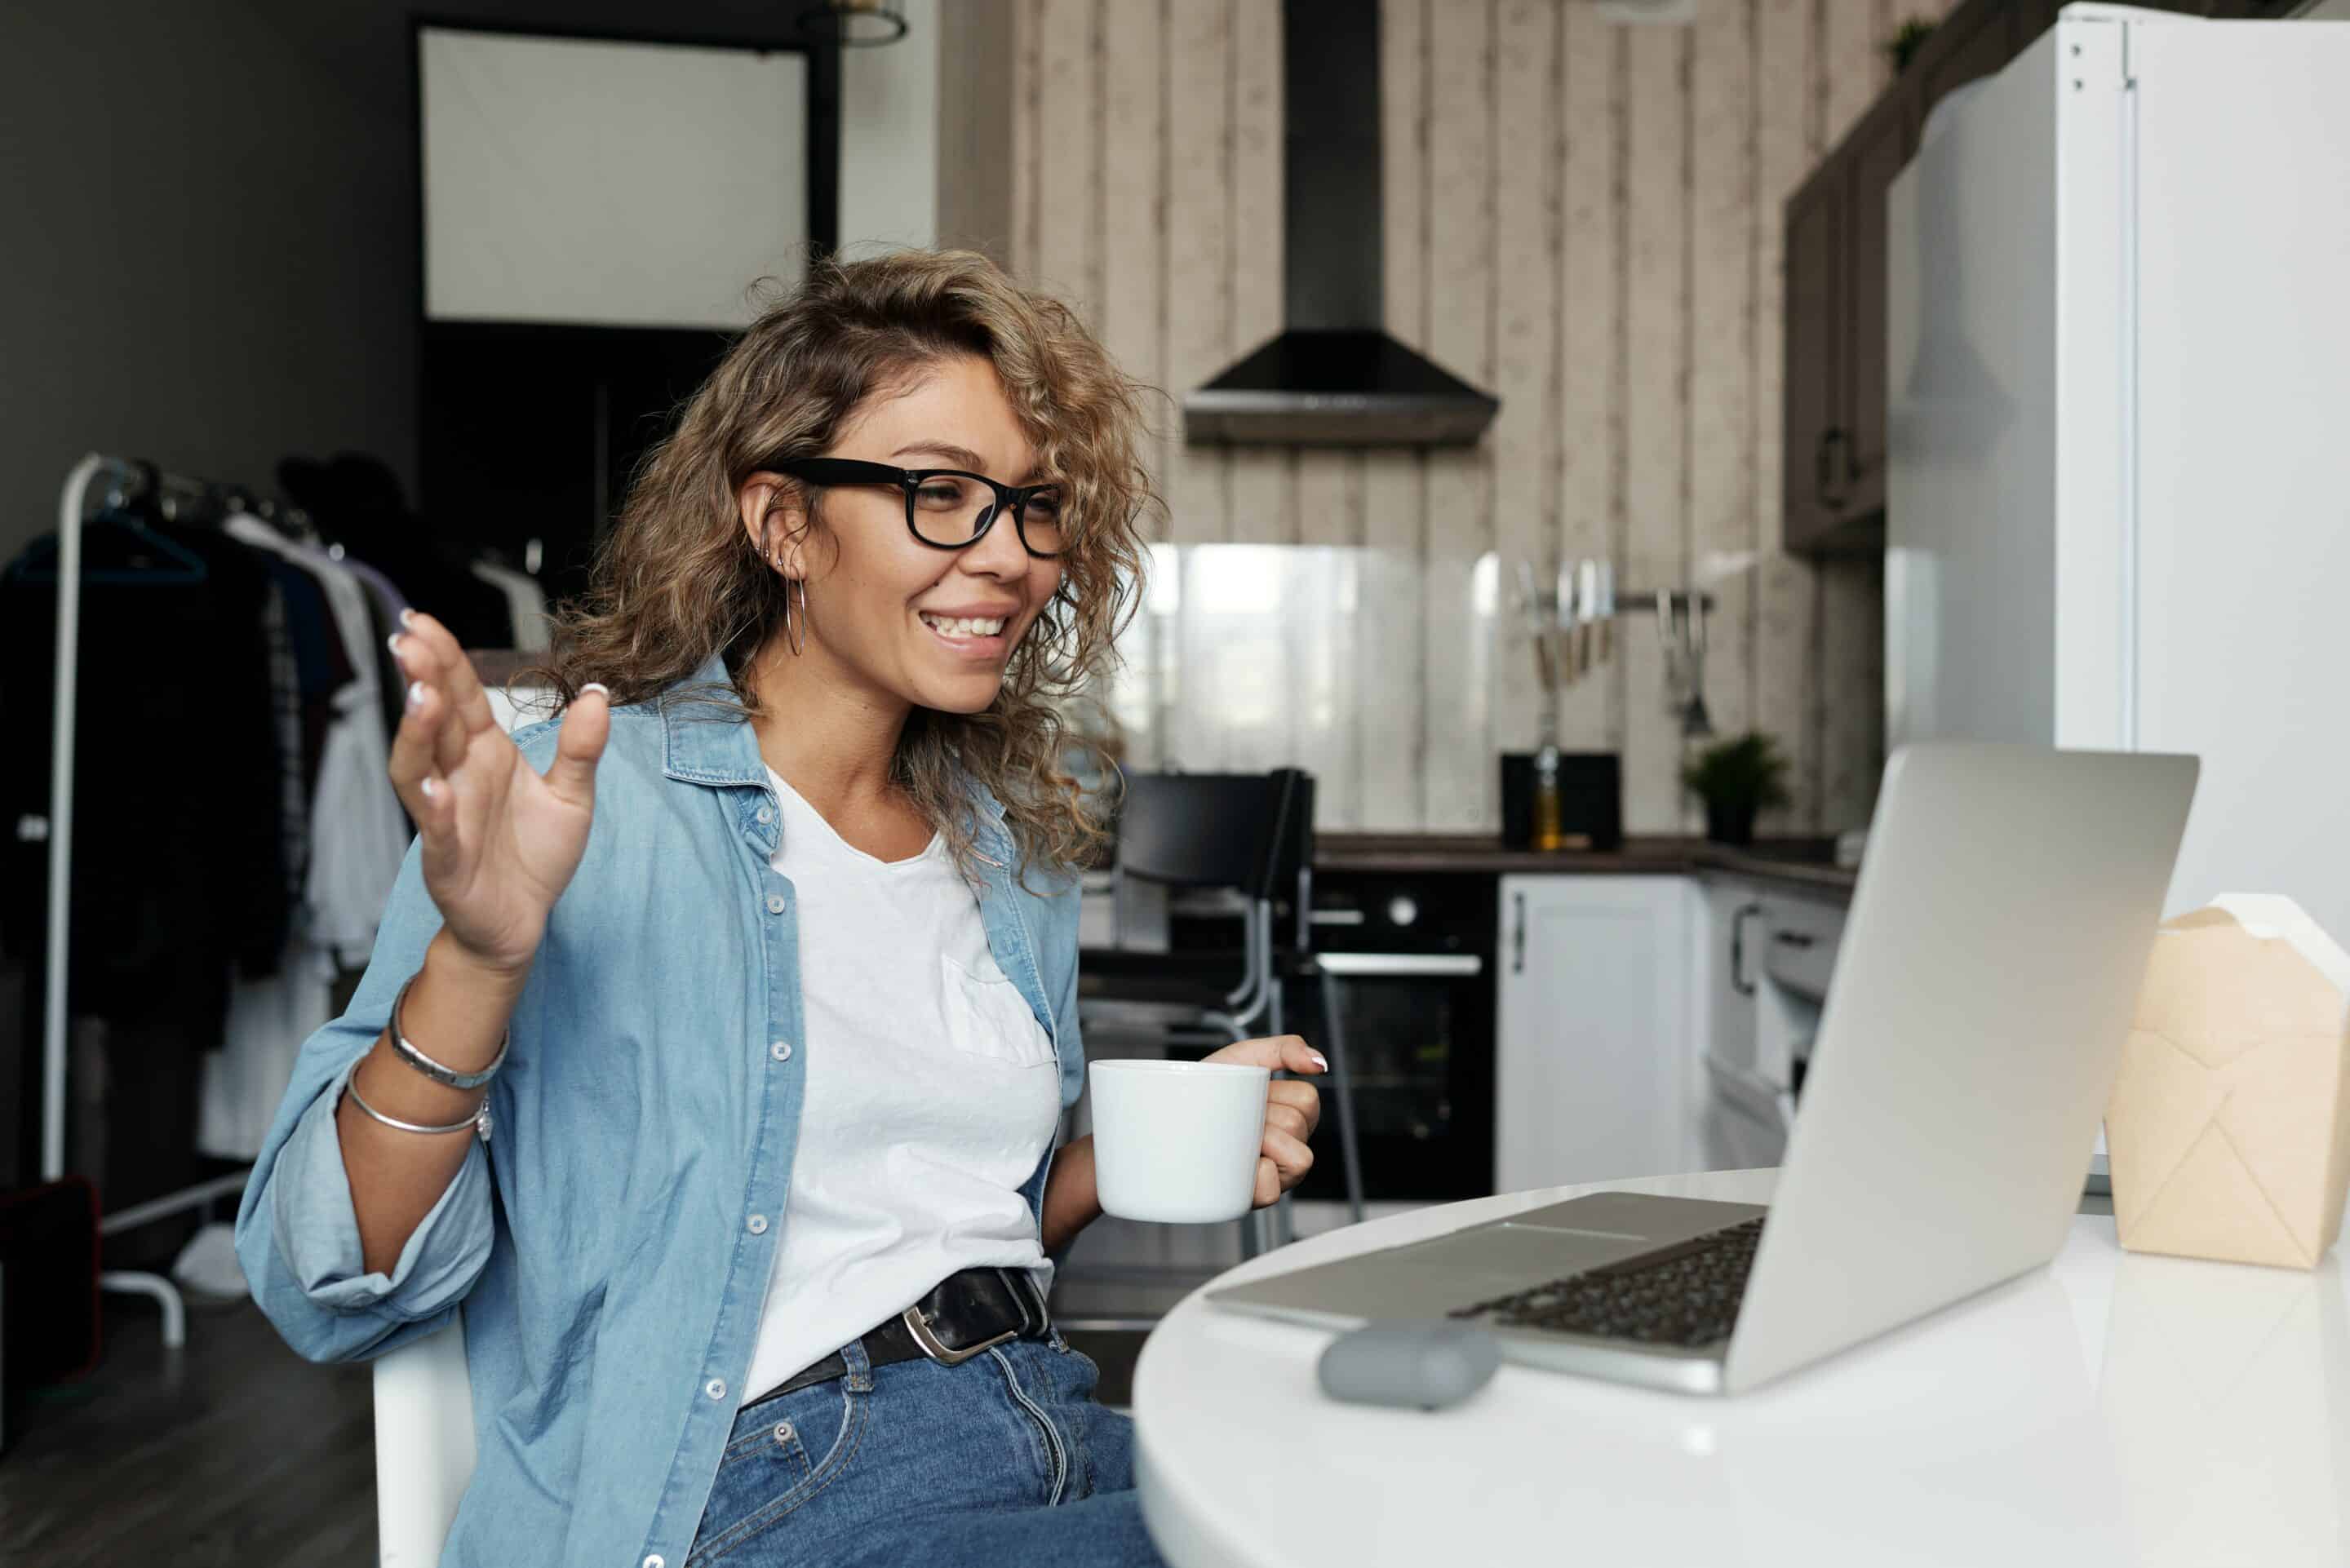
[(127, 480)]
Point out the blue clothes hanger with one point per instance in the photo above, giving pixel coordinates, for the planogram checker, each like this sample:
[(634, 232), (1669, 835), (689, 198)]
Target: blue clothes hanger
[(153, 559)]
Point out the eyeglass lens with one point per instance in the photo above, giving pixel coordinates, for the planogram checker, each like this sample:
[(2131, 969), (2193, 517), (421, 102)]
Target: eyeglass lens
[(952, 509)]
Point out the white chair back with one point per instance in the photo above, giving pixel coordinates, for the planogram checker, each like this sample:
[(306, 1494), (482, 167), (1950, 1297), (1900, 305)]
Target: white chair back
[(423, 1445)]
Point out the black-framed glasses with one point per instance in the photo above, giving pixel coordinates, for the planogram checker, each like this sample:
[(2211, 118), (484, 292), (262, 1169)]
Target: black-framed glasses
[(947, 508)]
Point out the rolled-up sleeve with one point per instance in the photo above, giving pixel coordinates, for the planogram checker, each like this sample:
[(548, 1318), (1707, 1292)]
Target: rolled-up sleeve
[(297, 1234)]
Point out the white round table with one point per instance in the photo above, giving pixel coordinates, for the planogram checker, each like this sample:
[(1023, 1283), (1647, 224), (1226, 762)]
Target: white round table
[(2115, 1408)]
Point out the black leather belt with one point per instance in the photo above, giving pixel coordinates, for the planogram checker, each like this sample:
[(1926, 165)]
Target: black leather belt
[(969, 1312)]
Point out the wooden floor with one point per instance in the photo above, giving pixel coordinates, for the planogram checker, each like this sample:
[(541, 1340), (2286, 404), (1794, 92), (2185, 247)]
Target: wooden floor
[(232, 1451)]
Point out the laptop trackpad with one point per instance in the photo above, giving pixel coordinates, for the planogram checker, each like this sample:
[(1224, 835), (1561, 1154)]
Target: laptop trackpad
[(1660, 1222), (1422, 1280), (1427, 1278), (1511, 1257)]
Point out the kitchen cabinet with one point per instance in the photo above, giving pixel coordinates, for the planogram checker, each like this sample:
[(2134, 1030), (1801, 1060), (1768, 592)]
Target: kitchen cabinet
[(1813, 379), (1833, 441), (1727, 1130), (1728, 947), (1975, 40), (1877, 149), (1835, 337), (1596, 1012), (2030, 18)]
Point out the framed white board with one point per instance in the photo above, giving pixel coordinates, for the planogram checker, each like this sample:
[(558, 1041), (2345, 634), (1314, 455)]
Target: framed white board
[(599, 182)]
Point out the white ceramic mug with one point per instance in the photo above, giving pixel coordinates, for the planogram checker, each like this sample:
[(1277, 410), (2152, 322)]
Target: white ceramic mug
[(1176, 1142)]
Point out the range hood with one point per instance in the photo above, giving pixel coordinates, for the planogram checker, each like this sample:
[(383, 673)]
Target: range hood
[(1334, 378)]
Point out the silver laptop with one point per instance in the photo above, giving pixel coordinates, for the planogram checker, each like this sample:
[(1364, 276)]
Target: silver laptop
[(1989, 968)]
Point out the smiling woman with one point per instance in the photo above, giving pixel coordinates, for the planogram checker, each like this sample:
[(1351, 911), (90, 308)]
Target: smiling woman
[(761, 961), (912, 358)]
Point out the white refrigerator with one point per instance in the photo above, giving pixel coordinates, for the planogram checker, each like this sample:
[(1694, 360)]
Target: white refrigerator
[(2118, 504)]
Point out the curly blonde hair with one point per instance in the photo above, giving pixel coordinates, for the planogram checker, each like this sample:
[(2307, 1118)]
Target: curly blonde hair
[(678, 579)]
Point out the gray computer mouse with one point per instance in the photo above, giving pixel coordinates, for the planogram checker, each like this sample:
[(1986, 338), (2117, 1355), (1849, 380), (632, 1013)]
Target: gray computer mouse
[(1410, 1365)]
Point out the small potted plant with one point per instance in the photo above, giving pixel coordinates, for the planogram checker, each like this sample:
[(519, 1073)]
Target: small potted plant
[(1907, 40), (1737, 779)]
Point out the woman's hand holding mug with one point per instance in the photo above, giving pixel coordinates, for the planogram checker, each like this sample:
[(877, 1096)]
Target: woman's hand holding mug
[(500, 840), (1292, 1110), (1191, 1143)]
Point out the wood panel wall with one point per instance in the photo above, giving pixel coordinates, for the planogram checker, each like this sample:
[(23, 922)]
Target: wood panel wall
[(1583, 217)]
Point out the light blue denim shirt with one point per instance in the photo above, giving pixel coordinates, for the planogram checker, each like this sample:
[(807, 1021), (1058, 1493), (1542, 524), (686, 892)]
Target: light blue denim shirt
[(601, 1244)]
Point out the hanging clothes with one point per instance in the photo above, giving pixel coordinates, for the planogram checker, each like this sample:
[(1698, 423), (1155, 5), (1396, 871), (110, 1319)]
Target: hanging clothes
[(357, 501), (179, 863), (384, 603), (525, 604), (244, 1079), (187, 752), (385, 590), (359, 831), (236, 831), (357, 836), (286, 712)]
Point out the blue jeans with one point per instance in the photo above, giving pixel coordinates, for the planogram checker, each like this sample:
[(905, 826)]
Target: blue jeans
[(1004, 1458)]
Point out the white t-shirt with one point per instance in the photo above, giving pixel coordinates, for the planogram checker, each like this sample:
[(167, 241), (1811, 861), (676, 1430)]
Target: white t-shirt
[(930, 1094)]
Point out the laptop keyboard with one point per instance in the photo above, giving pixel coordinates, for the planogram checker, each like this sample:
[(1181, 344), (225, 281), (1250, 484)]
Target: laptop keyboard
[(1684, 1294)]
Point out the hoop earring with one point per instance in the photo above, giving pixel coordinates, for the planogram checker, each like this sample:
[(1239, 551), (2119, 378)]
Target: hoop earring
[(795, 632), (794, 626)]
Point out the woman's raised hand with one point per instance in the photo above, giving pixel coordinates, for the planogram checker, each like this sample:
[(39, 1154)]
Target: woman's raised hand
[(500, 840)]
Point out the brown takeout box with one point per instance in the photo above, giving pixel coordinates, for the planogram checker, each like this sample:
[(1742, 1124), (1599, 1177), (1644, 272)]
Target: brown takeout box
[(2228, 1131)]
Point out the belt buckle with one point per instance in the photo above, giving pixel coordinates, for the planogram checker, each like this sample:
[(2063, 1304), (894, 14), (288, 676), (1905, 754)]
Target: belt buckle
[(937, 1349)]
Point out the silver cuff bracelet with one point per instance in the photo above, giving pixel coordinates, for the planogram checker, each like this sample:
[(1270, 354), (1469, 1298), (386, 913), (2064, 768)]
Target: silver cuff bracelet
[(433, 1070), (478, 1123)]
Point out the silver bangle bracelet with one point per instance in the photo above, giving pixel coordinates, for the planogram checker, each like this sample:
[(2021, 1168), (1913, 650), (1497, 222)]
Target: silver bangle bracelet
[(408, 1053), (478, 1123)]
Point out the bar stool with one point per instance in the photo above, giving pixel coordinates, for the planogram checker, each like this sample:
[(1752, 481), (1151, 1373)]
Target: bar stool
[(1293, 961), (1250, 835)]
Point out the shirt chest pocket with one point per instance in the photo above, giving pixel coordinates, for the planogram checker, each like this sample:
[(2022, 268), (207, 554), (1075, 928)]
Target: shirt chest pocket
[(987, 1017)]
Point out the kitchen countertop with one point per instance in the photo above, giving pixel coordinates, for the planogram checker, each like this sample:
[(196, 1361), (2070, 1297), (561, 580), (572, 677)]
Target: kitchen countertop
[(1807, 863)]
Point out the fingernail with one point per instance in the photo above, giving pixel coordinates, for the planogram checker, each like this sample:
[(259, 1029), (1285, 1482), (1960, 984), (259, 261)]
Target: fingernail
[(430, 786), (415, 693), (594, 686), (407, 616), (392, 642), (1319, 1061)]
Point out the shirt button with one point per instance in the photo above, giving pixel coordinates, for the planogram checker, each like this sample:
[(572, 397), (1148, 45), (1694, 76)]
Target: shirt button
[(758, 1223), (781, 1050), (774, 903), (766, 814), (655, 1561), (715, 1388)]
